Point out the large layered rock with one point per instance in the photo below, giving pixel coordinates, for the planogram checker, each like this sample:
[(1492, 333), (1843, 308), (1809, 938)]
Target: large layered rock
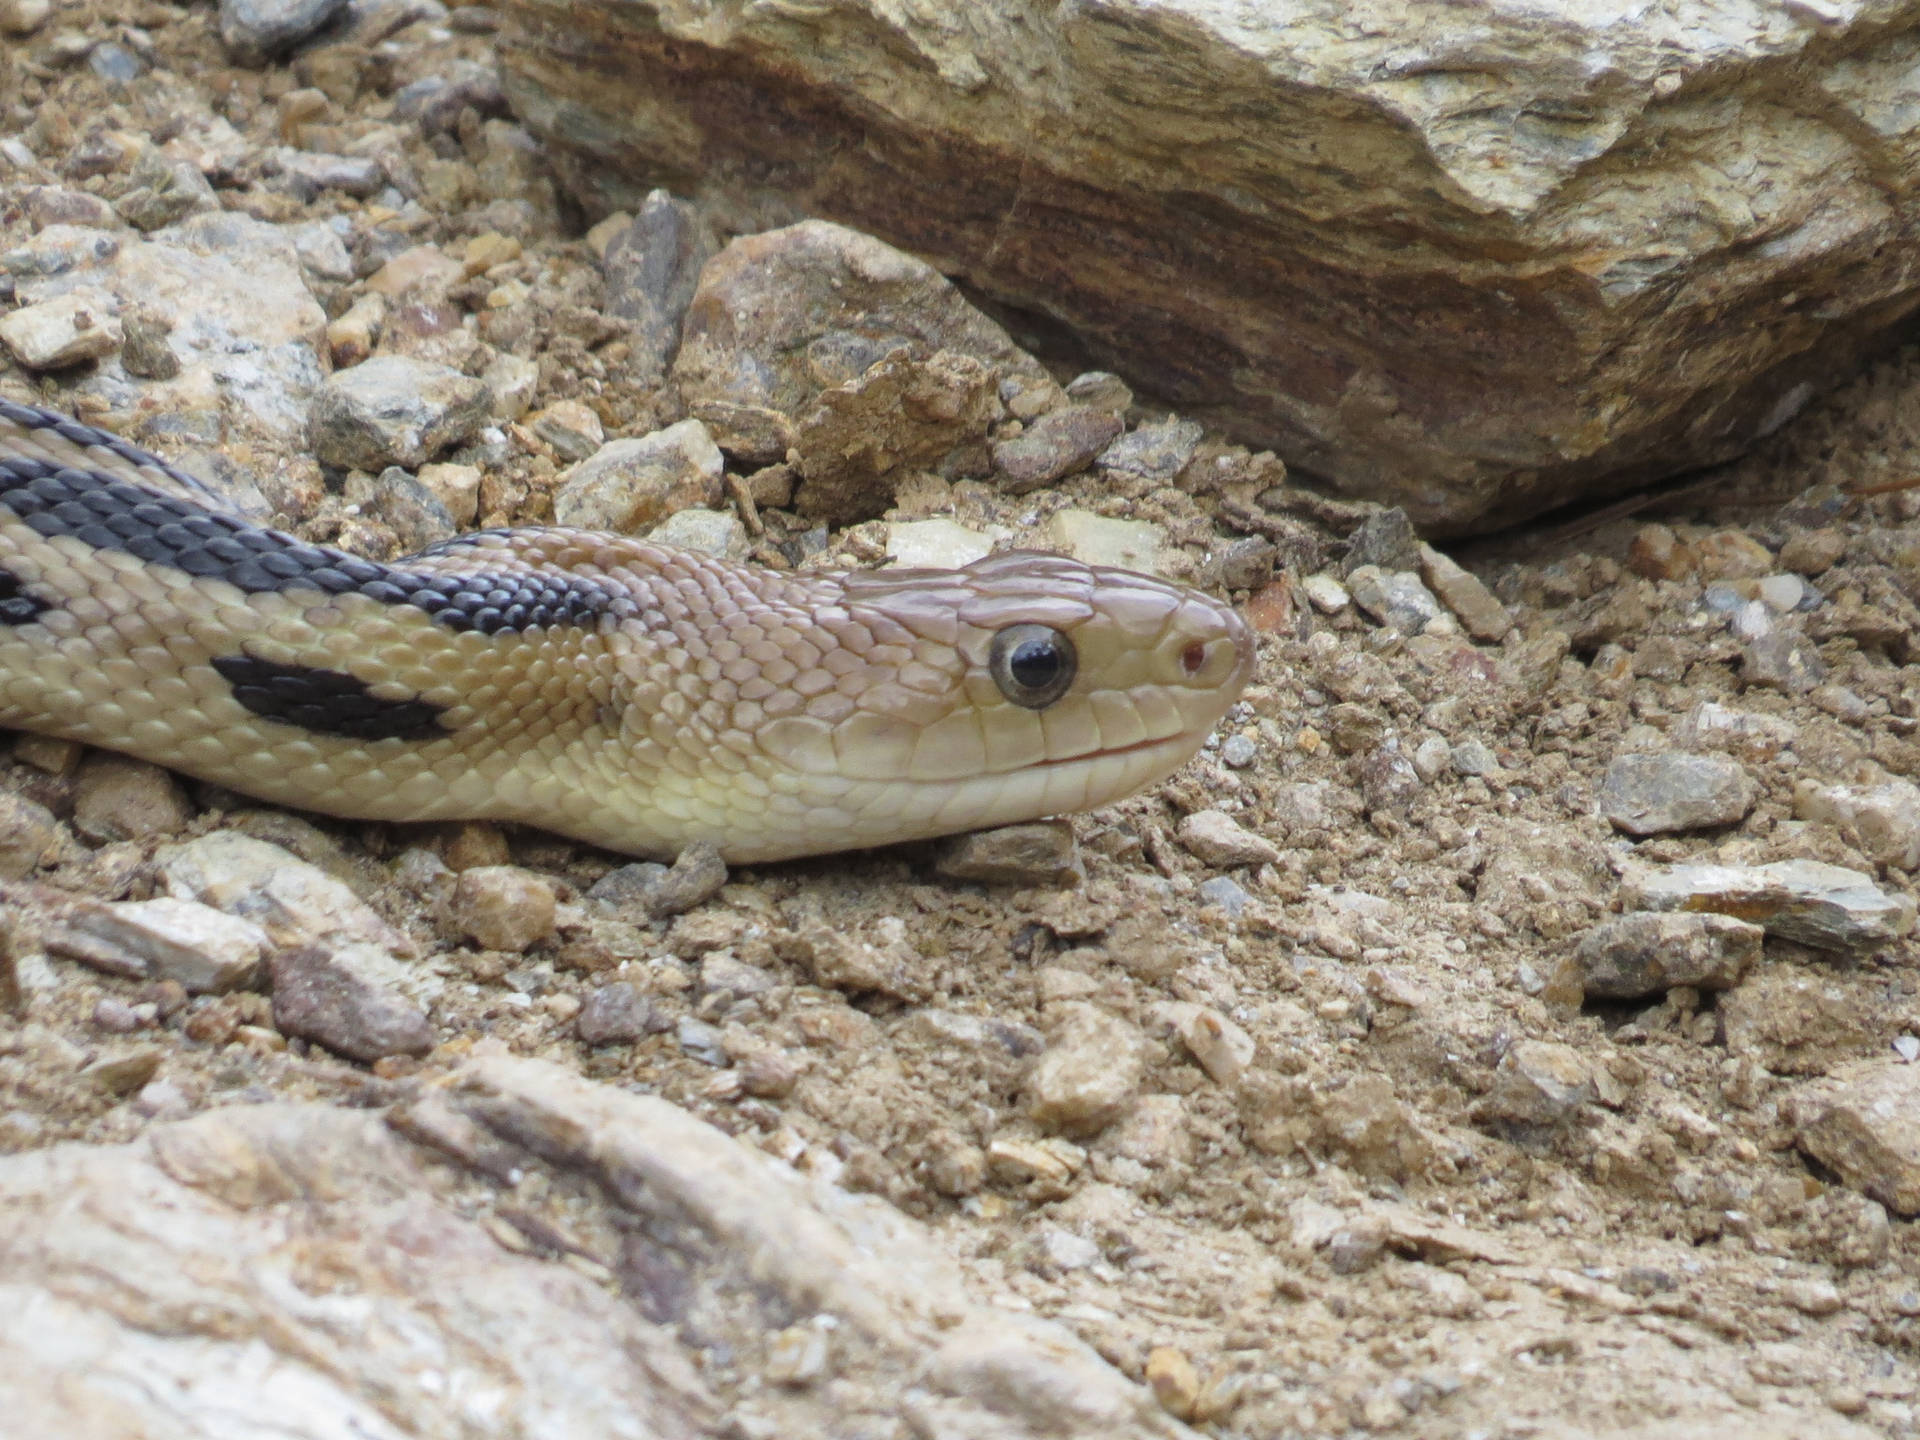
[(1477, 260)]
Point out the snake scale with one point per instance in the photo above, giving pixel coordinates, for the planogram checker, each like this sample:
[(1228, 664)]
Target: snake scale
[(625, 694)]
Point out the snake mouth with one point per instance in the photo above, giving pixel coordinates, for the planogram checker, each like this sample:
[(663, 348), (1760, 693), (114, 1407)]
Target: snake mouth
[(1137, 748)]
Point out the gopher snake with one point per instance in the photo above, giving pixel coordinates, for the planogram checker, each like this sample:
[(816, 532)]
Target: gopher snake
[(633, 696)]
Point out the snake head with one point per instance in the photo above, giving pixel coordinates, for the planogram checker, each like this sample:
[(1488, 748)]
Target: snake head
[(1037, 686)]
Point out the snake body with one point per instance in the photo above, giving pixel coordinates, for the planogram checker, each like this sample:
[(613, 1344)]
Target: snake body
[(621, 693)]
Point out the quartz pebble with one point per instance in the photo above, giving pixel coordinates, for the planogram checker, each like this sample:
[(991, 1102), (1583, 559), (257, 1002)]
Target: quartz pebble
[(1103, 540), (718, 533), (1825, 906), (935, 544), (1653, 794)]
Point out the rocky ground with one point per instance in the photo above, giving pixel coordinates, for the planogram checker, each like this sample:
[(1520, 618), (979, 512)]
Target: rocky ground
[(1505, 1027)]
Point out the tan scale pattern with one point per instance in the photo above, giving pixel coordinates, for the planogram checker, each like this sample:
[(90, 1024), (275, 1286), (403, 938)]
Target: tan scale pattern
[(775, 715)]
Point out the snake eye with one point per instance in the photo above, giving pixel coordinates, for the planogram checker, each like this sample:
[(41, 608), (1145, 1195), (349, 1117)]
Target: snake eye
[(1032, 664)]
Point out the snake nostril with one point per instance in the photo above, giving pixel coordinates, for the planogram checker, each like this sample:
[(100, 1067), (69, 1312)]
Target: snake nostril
[(1193, 657)]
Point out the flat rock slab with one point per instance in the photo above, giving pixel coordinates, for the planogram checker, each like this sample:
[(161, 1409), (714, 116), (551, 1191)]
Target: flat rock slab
[(1472, 262), (314, 1272), (1826, 906)]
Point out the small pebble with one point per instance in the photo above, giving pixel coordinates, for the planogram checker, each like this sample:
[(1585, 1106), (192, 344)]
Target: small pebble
[(1239, 751), (701, 1042), (616, 1014)]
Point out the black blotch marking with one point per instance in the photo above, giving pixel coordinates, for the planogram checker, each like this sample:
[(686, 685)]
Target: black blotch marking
[(327, 702), (16, 606), (106, 513)]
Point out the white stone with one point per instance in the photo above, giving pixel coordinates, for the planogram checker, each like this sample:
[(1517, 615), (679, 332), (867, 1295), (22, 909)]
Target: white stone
[(62, 332), (1103, 540), (935, 544)]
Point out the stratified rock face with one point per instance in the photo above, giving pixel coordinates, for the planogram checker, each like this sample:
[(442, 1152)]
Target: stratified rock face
[(1475, 260)]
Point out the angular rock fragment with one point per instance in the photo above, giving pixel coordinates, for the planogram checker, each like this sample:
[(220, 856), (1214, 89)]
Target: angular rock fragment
[(1826, 906), (1883, 820), (58, 333), (395, 410), (198, 947), (1863, 1122), (344, 996), (1089, 1074), (1040, 853), (1639, 955), (1216, 838), (1057, 444), (1480, 614), (630, 485), (1653, 794)]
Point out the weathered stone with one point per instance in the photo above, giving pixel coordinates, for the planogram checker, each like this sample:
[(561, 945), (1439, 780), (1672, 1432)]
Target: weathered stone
[(1639, 955), (710, 532), (793, 321), (1539, 1085), (29, 836), (1216, 838), (1153, 454), (62, 332), (502, 907), (695, 877), (1652, 794), (900, 413), (569, 426), (255, 31), (191, 944), (229, 293), (344, 996), (1393, 597), (615, 1014), (294, 902), (1883, 820), (164, 190), (408, 508), (1039, 853), (1089, 1073), (1784, 659), (652, 267), (1864, 1124), (1061, 443), (1826, 906), (1797, 1023), (628, 486), (1480, 614), (395, 410), (1563, 312)]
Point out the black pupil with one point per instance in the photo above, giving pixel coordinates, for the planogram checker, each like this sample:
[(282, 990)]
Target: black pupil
[(1034, 663)]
